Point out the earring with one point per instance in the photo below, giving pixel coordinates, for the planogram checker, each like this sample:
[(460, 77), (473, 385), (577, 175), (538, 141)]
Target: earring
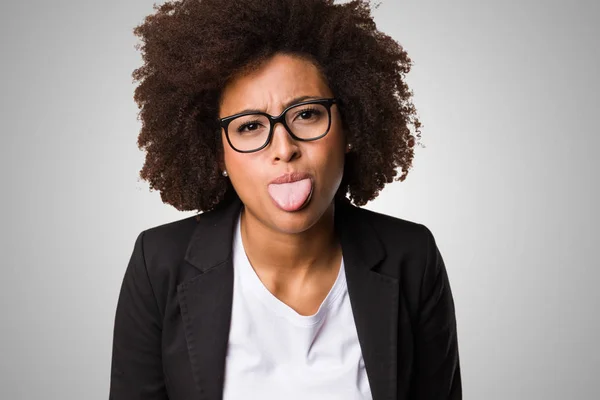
[(225, 173), (349, 146)]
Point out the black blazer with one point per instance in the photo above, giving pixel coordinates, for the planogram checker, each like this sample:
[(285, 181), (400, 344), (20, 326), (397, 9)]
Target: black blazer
[(174, 308)]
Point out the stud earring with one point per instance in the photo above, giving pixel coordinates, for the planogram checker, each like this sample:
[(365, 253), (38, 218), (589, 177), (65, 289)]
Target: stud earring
[(349, 146), (225, 173)]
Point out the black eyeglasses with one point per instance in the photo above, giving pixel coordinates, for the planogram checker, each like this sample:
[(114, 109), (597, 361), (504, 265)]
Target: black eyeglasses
[(251, 131)]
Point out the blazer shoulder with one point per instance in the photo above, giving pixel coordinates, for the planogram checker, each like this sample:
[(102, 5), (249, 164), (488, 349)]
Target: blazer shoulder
[(164, 245), (171, 233), (409, 245), (395, 230)]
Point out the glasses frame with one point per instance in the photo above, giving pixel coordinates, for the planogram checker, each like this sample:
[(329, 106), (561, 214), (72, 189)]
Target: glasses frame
[(327, 102)]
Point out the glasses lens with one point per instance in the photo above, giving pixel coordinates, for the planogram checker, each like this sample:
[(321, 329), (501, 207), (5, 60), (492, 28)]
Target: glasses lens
[(249, 132), (308, 121)]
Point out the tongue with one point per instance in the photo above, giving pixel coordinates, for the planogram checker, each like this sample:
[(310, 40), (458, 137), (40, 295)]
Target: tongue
[(290, 196)]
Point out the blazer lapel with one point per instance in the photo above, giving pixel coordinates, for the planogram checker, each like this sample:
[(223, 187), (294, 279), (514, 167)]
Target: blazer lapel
[(374, 299), (206, 299)]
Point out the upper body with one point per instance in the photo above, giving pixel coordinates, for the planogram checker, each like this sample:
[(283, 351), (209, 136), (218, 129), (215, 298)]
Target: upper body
[(174, 314), (272, 119)]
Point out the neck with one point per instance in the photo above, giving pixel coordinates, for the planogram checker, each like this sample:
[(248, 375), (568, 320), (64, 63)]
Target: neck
[(291, 255)]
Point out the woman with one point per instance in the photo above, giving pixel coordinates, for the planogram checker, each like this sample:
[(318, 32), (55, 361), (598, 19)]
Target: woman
[(271, 118)]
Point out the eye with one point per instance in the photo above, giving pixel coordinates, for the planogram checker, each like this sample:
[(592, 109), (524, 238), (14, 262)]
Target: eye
[(308, 113), (248, 126)]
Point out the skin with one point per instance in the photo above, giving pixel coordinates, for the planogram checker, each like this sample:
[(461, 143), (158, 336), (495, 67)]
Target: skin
[(297, 254)]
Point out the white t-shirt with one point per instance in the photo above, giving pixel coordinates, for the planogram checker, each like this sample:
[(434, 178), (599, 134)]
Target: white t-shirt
[(276, 353)]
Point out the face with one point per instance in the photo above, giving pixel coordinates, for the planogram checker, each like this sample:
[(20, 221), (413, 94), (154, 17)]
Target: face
[(316, 166)]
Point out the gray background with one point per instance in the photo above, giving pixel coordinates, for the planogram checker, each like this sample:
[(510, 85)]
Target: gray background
[(508, 95)]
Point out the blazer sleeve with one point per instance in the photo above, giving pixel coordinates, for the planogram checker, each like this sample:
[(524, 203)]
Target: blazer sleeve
[(136, 369), (437, 363)]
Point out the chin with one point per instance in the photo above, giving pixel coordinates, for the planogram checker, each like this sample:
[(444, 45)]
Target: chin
[(293, 222), (296, 221)]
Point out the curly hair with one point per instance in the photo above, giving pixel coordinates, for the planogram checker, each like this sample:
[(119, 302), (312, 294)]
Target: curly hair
[(192, 48)]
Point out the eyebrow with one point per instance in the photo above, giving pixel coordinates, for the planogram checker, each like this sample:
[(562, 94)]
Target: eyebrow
[(286, 105)]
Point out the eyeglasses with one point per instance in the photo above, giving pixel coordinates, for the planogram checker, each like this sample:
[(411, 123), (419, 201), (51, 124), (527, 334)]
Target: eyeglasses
[(252, 131)]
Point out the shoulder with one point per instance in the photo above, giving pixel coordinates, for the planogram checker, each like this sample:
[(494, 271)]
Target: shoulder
[(163, 246), (394, 231), (410, 248), (171, 236), (160, 251)]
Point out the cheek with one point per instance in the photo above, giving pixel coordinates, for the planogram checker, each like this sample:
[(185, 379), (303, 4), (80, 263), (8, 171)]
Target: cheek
[(328, 159), (243, 170), (335, 149), (236, 163), (232, 159)]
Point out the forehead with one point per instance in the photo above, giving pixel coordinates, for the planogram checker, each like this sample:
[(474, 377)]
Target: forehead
[(272, 84)]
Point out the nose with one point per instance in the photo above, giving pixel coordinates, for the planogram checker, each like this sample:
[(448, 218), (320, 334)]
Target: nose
[(283, 146)]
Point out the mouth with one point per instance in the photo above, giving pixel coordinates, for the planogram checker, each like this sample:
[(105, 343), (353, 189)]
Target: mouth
[(291, 177), (291, 192)]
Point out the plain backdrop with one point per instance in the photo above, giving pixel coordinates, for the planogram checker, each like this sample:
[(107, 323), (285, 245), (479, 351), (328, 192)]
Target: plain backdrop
[(508, 94)]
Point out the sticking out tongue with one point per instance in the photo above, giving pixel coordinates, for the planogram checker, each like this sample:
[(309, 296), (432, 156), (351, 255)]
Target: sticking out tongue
[(291, 196)]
